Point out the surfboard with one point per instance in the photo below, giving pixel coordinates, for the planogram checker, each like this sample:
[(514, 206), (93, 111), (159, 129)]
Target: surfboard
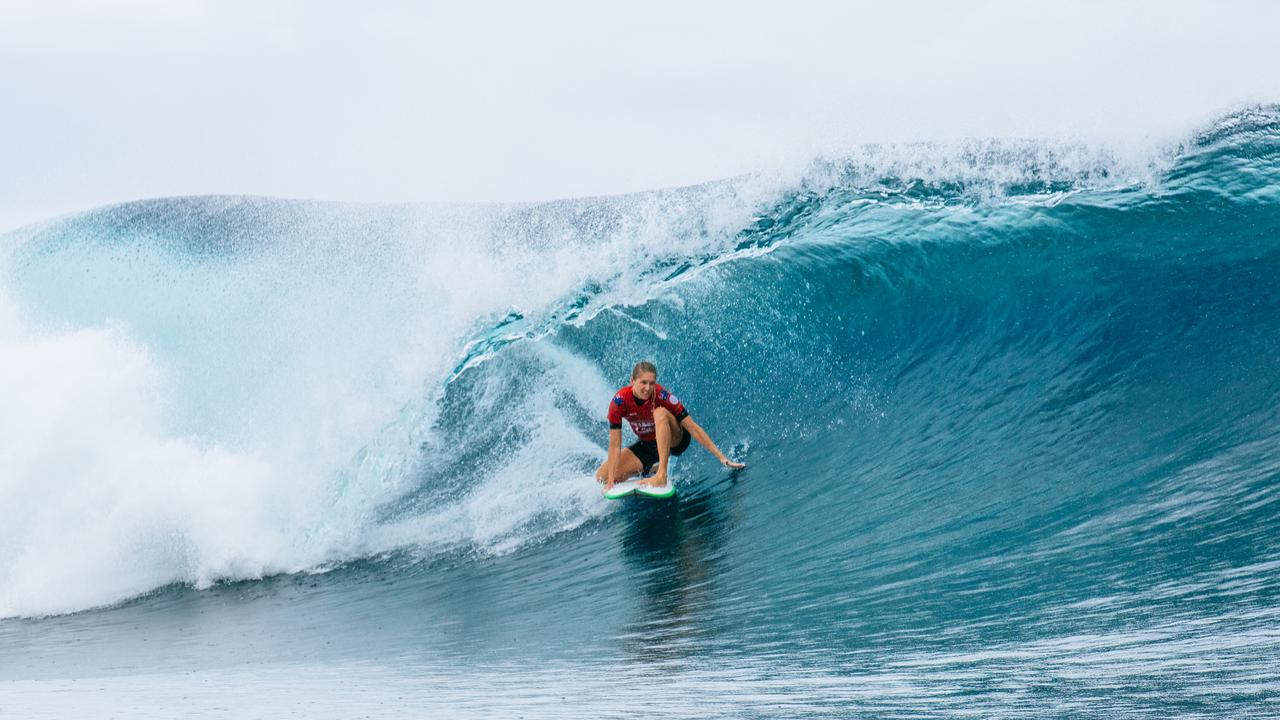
[(633, 487)]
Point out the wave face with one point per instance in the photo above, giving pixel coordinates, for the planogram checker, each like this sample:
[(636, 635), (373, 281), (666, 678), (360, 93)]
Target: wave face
[(1010, 412)]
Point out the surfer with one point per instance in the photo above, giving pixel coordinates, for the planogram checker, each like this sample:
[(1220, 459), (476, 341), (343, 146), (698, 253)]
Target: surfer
[(662, 425)]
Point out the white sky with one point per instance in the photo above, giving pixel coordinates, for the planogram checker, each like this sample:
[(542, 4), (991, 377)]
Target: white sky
[(116, 100)]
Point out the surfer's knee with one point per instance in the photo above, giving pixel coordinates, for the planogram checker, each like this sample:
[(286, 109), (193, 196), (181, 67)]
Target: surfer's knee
[(662, 417)]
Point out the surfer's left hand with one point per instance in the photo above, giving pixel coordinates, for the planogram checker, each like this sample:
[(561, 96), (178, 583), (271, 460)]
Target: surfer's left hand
[(731, 464)]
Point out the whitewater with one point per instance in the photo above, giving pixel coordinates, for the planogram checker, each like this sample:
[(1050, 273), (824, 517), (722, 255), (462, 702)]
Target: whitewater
[(1009, 411)]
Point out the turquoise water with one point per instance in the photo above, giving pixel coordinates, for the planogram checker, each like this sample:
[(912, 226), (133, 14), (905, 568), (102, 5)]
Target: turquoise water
[(1009, 412)]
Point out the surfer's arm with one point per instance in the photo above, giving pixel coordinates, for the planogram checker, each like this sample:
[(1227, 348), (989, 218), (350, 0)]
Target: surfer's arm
[(705, 441), (615, 451)]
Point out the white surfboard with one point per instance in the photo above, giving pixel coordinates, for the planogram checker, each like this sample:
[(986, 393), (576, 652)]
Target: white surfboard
[(633, 487)]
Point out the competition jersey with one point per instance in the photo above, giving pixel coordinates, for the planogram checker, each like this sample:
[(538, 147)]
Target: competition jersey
[(624, 405)]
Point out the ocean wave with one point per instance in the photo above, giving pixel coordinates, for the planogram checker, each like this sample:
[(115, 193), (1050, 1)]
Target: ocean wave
[(1010, 344)]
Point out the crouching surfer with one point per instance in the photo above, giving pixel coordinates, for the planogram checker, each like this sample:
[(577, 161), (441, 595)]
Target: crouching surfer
[(662, 425)]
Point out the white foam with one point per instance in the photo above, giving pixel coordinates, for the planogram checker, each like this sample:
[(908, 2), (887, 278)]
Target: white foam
[(178, 418), (543, 488), (101, 502)]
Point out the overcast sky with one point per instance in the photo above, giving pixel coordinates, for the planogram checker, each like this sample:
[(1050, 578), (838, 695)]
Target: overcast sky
[(124, 99)]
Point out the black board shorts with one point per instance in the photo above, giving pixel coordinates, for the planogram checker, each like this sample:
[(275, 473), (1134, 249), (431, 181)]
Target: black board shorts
[(647, 451)]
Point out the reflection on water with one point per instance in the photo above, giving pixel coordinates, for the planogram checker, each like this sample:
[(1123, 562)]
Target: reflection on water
[(672, 548)]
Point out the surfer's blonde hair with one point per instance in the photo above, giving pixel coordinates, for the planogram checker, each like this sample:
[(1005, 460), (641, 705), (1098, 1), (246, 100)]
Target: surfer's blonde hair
[(644, 366)]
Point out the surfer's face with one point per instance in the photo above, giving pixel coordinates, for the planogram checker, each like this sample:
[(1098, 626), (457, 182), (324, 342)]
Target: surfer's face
[(642, 385)]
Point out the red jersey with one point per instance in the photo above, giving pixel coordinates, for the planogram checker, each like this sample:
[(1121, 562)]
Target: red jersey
[(640, 414)]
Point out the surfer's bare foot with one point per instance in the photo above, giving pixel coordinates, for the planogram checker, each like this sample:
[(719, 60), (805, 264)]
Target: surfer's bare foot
[(655, 481)]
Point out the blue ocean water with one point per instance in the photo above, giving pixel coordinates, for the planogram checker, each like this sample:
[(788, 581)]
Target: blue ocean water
[(1009, 409)]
